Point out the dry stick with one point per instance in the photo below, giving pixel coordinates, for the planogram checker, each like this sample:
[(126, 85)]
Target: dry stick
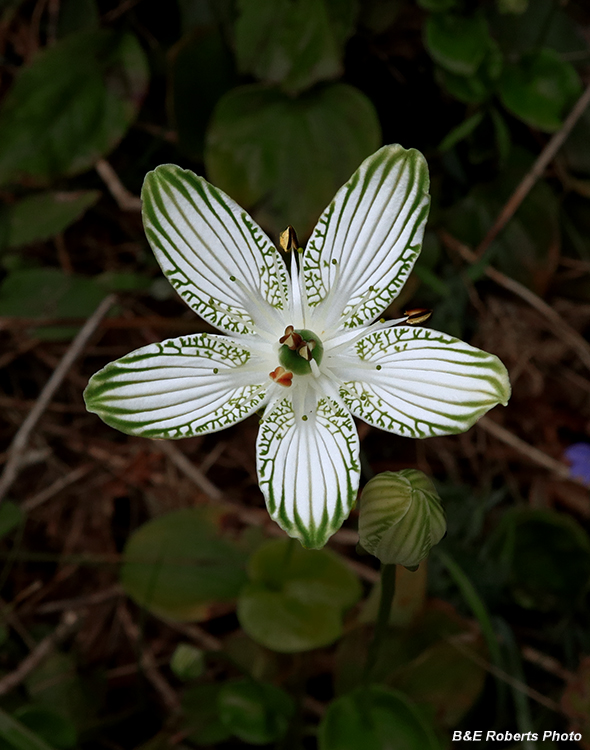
[(537, 170), (98, 597), (68, 622), (505, 677), (191, 471), (548, 663), (254, 516), (200, 636), (21, 438), (148, 663), (536, 455), (557, 324), (125, 199), (41, 497), (154, 321)]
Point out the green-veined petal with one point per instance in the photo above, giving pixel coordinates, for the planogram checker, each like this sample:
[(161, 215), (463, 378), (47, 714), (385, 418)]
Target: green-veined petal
[(212, 252), (308, 468), (367, 240), (418, 383), (179, 388)]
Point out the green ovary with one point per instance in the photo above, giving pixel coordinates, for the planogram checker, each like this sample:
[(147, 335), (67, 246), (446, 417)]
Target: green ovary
[(293, 361)]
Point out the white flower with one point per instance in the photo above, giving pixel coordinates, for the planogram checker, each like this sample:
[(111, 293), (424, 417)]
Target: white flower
[(303, 346)]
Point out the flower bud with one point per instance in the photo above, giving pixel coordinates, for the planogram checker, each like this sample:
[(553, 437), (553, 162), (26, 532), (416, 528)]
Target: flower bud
[(401, 517)]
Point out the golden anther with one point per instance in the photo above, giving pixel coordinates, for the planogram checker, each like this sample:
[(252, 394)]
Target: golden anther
[(417, 315), (281, 376), (288, 239)]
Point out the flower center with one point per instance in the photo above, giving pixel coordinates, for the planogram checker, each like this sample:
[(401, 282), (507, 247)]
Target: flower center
[(298, 349)]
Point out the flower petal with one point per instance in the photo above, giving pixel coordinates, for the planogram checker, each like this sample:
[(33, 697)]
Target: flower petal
[(178, 388), (216, 256), (308, 469), (418, 383), (367, 240)]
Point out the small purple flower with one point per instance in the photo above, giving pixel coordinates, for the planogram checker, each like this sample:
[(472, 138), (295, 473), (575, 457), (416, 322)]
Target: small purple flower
[(578, 457)]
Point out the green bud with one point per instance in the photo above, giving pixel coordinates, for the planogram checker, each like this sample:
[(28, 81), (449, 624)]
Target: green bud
[(187, 662), (401, 517), (512, 6)]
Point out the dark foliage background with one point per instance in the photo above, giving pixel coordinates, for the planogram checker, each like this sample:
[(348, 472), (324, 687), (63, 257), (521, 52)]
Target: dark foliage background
[(128, 565)]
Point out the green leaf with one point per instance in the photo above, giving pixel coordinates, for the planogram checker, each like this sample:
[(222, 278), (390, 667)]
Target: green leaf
[(479, 87), (11, 516), (187, 662), (49, 293), (548, 558), (433, 659), (437, 6), (288, 155), (296, 597), (475, 603), (201, 70), (293, 42), (512, 6), (71, 106), (18, 736), (75, 15), (177, 565), (54, 728), (375, 718), (457, 43), (201, 715), (540, 89), (501, 135), (462, 131), (40, 217), (256, 712), (56, 685), (544, 22)]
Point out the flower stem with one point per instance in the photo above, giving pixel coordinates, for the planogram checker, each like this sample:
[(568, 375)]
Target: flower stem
[(385, 602), (289, 550)]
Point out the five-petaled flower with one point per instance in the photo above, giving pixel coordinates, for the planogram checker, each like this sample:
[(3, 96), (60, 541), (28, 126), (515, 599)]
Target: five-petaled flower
[(302, 345)]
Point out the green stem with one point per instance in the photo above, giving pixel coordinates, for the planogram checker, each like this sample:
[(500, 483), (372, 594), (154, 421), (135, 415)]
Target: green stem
[(385, 602), (291, 544)]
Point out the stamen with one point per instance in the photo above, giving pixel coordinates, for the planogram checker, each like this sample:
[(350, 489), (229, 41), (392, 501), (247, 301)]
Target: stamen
[(288, 239), (291, 339), (281, 376), (417, 315), (305, 350)]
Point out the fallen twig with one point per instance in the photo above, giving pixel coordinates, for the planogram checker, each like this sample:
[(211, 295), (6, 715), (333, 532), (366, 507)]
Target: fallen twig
[(21, 438), (535, 172), (66, 626), (536, 456), (148, 662), (504, 676), (557, 324), (82, 601), (125, 199), (41, 497), (546, 662)]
